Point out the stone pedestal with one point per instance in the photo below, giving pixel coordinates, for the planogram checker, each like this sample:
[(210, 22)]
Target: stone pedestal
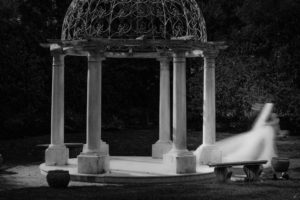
[(93, 163), (56, 155), (160, 148), (104, 148), (180, 162), (222, 174), (252, 172)]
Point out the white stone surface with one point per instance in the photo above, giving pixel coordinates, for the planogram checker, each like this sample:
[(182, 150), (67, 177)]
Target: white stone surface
[(209, 105), (126, 169), (208, 152), (56, 155), (179, 101), (160, 148), (180, 163), (104, 148), (94, 87), (93, 164), (164, 101), (179, 160), (164, 144), (94, 159), (57, 101)]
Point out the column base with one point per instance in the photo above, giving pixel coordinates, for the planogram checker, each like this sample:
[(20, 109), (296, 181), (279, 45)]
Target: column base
[(206, 154), (104, 148), (93, 163), (180, 162), (160, 148), (56, 155)]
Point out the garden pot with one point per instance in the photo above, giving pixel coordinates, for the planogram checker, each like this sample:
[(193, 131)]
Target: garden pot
[(58, 178), (280, 164)]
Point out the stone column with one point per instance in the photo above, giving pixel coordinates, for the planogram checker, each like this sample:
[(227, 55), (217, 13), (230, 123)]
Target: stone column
[(57, 153), (179, 160), (164, 144), (208, 152), (93, 160)]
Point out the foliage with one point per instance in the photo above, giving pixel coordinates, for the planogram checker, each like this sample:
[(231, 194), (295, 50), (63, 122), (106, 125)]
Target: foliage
[(262, 62), (260, 65)]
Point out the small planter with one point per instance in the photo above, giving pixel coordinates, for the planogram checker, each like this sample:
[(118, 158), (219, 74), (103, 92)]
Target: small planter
[(58, 178), (280, 165)]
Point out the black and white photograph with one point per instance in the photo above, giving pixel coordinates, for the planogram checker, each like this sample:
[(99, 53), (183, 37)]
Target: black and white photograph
[(150, 99)]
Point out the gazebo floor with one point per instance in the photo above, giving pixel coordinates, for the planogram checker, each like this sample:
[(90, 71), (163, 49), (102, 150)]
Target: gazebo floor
[(132, 170)]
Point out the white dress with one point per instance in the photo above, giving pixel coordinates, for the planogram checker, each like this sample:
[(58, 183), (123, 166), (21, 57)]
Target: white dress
[(256, 144)]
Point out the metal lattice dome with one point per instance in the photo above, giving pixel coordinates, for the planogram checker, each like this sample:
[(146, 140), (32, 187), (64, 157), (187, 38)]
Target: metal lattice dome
[(131, 19)]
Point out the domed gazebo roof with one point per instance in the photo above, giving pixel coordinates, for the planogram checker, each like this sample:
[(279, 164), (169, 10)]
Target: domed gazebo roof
[(131, 19)]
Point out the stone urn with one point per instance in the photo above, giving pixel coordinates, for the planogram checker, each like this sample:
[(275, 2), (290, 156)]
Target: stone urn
[(280, 165), (58, 178)]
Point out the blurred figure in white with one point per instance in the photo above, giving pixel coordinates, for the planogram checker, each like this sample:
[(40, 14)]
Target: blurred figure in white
[(256, 144)]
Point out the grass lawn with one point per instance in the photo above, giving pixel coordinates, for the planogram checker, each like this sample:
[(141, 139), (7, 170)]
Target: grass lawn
[(23, 180)]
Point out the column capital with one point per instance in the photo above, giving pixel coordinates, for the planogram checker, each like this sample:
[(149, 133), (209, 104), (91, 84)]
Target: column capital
[(56, 50), (179, 54), (164, 63), (164, 59), (210, 54), (179, 57), (95, 56)]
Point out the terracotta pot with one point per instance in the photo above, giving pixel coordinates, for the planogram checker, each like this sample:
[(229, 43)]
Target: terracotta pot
[(58, 178), (280, 164)]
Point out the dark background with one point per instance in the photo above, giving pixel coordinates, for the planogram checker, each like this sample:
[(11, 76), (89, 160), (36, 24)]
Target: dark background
[(261, 65)]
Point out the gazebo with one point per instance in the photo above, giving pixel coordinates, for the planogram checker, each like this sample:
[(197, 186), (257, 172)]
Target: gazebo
[(166, 30)]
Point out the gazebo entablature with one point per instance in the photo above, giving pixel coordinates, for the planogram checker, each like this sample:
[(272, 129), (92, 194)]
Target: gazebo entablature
[(132, 48)]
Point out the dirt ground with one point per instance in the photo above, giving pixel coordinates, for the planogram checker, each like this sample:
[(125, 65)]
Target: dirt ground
[(19, 180), (27, 176), (23, 176)]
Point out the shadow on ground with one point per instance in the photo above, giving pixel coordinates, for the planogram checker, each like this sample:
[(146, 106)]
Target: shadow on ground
[(210, 190)]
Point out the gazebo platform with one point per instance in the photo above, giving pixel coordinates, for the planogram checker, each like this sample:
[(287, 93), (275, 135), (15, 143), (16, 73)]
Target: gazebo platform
[(132, 170)]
